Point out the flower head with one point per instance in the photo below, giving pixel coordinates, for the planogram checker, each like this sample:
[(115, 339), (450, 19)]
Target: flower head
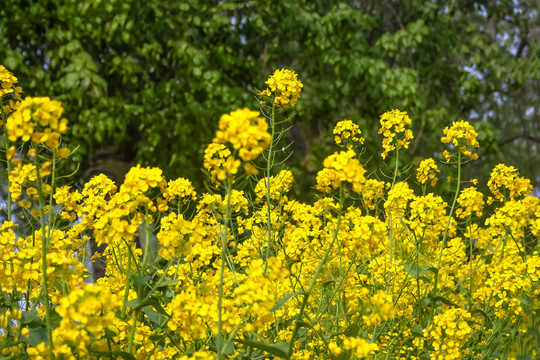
[(505, 182), (394, 129), (462, 135), (346, 133), (39, 119), (246, 131), (219, 162), (341, 167), (8, 86), (427, 170), (470, 201), (286, 86)]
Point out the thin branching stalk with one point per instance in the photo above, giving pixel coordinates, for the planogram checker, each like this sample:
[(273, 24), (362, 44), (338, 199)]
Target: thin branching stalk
[(322, 262), (223, 238), (45, 233)]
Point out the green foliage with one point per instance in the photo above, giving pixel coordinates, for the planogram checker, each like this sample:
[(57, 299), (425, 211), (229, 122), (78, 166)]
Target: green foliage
[(153, 77)]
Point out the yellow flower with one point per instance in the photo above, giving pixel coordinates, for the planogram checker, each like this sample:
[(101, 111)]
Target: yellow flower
[(427, 170), (8, 86), (279, 185), (462, 135), (359, 347), (181, 188), (341, 167), (39, 119), (393, 128), (449, 333), (506, 182), (219, 162), (470, 201), (286, 86), (245, 131), (346, 133)]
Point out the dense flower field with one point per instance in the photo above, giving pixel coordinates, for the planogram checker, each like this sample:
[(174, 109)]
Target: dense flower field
[(371, 268)]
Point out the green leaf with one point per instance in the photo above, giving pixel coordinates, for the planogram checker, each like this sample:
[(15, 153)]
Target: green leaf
[(418, 272), (352, 330), (283, 301), (281, 349), (156, 304), (154, 316), (487, 259), (141, 280), (445, 301), (417, 331), (31, 318), (36, 336), (525, 301)]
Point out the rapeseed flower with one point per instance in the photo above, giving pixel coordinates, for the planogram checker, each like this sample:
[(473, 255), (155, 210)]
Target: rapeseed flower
[(8, 85), (463, 136), (450, 331), (38, 119), (506, 184), (347, 133), (394, 129), (470, 201), (246, 131), (427, 170), (285, 85), (341, 167), (219, 162)]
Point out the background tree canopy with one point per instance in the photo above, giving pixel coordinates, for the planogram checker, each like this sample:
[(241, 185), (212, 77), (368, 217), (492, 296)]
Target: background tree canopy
[(150, 79)]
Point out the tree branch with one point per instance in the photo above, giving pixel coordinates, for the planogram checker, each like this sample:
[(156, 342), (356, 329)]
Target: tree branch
[(519, 136)]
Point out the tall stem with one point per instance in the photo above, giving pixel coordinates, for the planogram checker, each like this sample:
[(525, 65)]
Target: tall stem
[(445, 236), (390, 226), (269, 164), (44, 250), (316, 275), (223, 237)]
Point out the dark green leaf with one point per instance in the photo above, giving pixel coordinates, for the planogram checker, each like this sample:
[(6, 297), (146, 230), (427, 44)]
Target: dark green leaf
[(281, 349)]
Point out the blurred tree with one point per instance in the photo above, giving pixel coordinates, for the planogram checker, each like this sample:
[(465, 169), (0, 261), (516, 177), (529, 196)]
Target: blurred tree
[(154, 76)]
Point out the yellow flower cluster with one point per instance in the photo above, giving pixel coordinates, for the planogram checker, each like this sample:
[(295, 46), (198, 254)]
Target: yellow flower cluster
[(285, 85), (506, 184), (341, 167), (382, 309), (247, 133), (181, 188), (470, 201), (450, 331), (8, 85), (463, 136), (219, 162), (279, 185), (398, 199), (231, 275), (347, 133), (427, 170), (19, 178), (39, 119), (394, 129), (360, 348), (373, 192)]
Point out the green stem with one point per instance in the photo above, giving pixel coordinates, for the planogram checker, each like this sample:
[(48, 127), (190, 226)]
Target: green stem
[(223, 237), (269, 164), (146, 239), (390, 226), (445, 236), (316, 275), (126, 289), (132, 332), (44, 250)]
